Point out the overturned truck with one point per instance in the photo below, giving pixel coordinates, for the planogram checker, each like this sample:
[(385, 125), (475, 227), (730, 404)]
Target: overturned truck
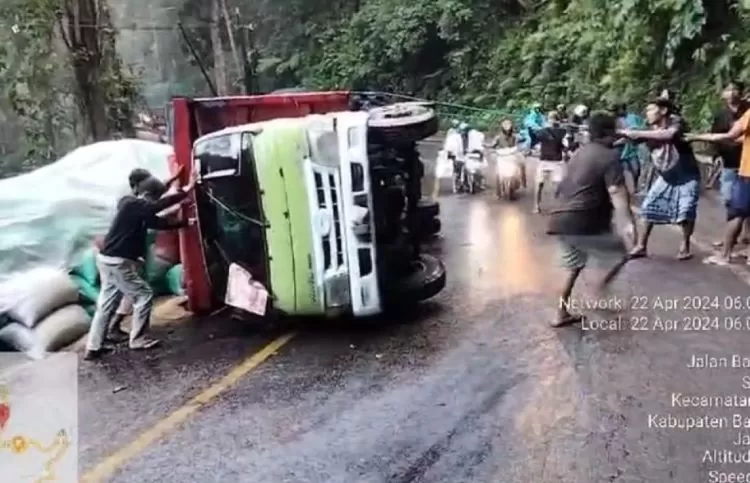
[(319, 203)]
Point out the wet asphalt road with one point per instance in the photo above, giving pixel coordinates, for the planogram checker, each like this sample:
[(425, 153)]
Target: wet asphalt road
[(474, 386)]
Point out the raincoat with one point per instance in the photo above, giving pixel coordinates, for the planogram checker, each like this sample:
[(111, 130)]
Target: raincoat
[(533, 121), (631, 121)]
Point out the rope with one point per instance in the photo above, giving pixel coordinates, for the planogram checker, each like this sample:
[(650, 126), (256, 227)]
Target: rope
[(234, 212)]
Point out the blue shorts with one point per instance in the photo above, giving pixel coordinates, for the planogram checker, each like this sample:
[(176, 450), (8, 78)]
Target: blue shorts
[(739, 204), (728, 177)]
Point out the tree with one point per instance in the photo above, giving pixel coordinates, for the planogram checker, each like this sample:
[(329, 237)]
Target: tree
[(82, 30), (105, 93), (33, 85)]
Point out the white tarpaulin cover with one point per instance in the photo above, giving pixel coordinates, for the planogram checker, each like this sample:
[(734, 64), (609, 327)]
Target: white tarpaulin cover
[(49, 216)]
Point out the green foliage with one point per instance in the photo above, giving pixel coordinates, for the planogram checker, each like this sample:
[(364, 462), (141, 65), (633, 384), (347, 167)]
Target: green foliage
[(29, 79), (38, 85), (505, 54)]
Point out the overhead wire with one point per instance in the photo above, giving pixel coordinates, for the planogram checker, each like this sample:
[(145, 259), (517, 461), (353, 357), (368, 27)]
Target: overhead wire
[(132, 26)]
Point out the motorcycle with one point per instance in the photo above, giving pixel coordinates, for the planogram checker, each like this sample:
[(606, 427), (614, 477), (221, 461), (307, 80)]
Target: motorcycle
[(467, 172), (459, 173), (507, 173), (474, 174)]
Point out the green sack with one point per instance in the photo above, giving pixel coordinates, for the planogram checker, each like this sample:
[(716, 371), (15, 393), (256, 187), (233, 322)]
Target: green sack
[(87, 291), (87, 268), (155, 273), (174, 280), (90, 309)]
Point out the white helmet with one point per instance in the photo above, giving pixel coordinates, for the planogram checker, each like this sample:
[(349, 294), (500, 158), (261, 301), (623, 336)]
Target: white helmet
[(581, 110)]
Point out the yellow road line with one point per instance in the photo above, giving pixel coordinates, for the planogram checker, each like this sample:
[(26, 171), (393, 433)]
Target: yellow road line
[(113, 462)]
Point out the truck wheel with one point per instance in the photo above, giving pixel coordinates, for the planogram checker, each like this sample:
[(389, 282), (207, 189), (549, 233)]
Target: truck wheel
[(426, 280), (404, 122), (432, 226), (428, 209)]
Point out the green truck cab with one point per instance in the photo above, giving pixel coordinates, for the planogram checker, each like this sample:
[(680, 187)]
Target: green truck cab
[(303, 205)]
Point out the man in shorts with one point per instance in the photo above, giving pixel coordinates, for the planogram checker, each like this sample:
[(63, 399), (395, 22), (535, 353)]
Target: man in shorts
[(738, 208), (730, 153), (551, 159), (591, 196)]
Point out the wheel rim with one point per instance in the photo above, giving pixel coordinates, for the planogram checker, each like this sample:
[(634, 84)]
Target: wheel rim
[(400, 114), (417, 266)]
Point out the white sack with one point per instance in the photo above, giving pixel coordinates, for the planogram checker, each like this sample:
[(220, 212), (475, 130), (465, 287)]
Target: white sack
[(22, 339), (32, 295), (61, 328), (48, 217)]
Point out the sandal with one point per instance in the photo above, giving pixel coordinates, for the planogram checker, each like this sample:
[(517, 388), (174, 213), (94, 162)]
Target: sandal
[(682, 256), (569, 319), (716, 260), (637, 253)]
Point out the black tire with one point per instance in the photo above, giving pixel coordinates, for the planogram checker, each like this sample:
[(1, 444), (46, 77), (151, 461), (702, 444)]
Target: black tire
[(405, 122), (428, 209), (425, 281), (432, 226)]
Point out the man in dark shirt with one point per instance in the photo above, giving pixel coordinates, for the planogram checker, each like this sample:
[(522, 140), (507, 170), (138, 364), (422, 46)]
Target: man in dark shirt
[(591, 195), (730, 153), (123, 249), (139, 179), (551, 160)]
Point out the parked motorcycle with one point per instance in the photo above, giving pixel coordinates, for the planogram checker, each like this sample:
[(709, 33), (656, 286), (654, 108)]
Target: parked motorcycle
[(507, 173)]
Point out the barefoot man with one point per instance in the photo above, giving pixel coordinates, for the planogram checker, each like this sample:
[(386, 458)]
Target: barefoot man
[(738, 207), (591, 196)]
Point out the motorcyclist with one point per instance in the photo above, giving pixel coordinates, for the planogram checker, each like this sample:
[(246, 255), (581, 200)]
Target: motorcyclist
[(463, 130), (454, 127), (456, 144), (507, 138), (472, 144)]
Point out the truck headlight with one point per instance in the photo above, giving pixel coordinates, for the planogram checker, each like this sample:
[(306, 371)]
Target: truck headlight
[(336, 287)]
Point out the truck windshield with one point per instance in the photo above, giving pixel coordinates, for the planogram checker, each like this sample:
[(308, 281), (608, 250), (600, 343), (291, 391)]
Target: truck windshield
[(230, 209)]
